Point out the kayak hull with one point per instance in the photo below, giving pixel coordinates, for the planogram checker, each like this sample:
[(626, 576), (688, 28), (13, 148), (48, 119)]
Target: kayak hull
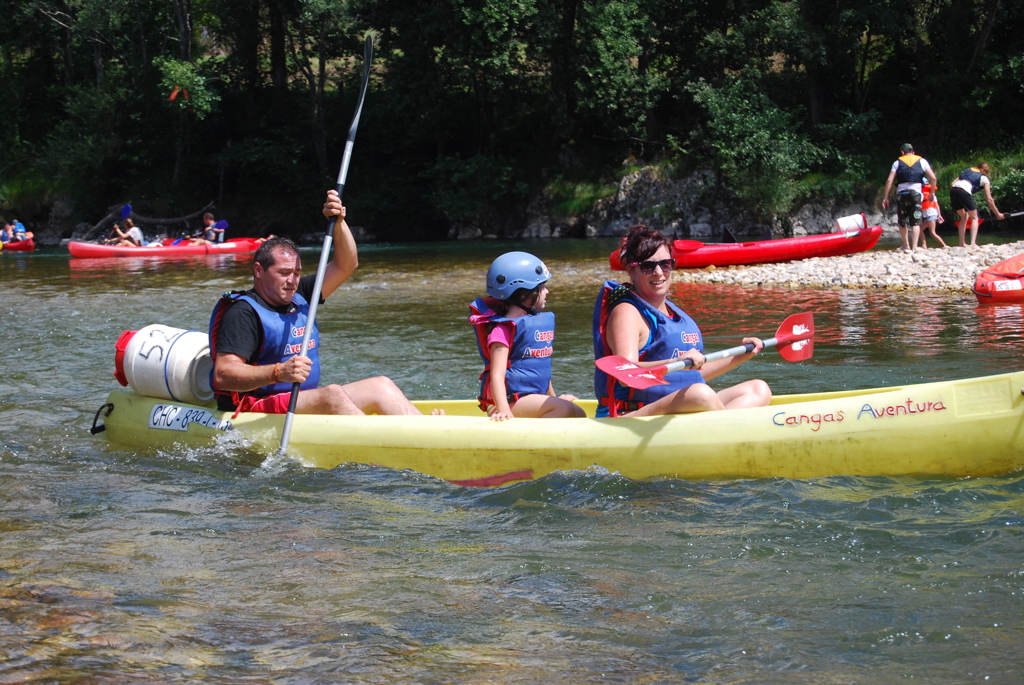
[(1002, 282), (969, 427), (768, 251), (20, 246), (94, 250)]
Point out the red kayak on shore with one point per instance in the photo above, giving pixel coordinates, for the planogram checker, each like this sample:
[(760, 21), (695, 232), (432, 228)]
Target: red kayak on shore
[(166, 249), (1002, 282), (26, 245), (693, 254)]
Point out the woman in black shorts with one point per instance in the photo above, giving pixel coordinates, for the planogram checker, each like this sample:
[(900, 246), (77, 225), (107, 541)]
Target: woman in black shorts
[(961, 199)]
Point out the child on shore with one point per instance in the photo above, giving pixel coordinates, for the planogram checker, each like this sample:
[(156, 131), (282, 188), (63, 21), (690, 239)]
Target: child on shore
[(931, 213), (515, 339)]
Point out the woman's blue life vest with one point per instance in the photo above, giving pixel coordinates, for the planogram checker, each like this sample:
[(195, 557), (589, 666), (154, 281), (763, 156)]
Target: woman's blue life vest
[(909, 169), (669, 337), (528, 371), (282, 340), (972, 176)]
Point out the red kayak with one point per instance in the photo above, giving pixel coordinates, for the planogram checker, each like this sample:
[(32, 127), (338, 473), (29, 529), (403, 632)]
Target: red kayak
[(693, 254), (26, 245), (166, 249), (1002, 282)]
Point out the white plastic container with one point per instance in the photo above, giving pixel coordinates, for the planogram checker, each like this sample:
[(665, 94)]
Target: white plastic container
[(164, 362), (854, 222)]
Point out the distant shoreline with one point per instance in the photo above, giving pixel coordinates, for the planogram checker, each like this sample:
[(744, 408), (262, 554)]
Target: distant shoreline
[(951, 270)]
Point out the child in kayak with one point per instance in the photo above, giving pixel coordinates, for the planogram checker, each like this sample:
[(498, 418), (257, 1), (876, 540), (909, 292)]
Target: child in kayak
[(515, 339)]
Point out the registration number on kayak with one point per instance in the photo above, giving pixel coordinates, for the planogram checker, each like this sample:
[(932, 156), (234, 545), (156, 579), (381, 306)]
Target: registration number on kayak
[(174, 418), (1003, 286)]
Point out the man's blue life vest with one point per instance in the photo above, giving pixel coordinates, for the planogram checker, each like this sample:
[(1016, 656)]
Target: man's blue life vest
[(282, 340), (910, 169)]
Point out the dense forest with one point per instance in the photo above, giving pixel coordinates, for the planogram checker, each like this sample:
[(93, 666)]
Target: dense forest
[(478, 106)]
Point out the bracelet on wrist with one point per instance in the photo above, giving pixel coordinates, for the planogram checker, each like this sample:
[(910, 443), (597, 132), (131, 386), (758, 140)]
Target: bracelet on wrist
[(276, 372)]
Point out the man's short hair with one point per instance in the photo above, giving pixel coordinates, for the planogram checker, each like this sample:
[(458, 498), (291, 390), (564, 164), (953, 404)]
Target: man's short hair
[(906, 148), (265, 253)]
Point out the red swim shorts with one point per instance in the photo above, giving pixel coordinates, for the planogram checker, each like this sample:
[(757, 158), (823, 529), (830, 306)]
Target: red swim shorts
[(271, 404)]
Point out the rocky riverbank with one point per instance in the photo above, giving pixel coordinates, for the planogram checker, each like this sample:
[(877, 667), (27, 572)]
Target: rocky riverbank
[(693, 206), (946, 269)]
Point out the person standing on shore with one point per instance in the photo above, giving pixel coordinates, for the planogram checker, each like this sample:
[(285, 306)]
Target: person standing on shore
[(961, 199), (908, 171), (932, 214)]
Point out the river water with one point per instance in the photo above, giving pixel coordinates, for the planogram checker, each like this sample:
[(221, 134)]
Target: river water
[(121, 565)]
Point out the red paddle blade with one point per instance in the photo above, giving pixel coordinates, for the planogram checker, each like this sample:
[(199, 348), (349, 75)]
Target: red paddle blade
[(686, 245), (628, 373), (796, 337)]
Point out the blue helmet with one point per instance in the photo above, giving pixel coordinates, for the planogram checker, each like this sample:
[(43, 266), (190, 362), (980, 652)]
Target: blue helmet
[(514, 270)]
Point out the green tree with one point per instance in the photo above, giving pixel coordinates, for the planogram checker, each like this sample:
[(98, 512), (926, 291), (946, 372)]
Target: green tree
[(756, 145), (478, 105)]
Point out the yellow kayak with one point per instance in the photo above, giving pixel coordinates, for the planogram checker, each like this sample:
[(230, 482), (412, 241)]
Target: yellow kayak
[(968, 427)]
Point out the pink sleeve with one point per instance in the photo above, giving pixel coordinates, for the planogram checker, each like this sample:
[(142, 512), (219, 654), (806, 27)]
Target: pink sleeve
[(501, 334)]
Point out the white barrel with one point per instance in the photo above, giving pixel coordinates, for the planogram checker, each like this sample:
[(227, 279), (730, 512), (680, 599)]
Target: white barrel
[(854, 222), (169, 363)]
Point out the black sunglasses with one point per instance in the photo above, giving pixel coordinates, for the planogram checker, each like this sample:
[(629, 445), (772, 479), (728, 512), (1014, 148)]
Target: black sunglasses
[(647, 266)]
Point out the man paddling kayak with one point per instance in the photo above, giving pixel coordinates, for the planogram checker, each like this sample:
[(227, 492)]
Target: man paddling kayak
[(255, 336)]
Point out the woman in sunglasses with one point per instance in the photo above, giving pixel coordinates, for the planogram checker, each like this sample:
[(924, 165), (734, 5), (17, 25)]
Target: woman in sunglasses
[(635, 320)]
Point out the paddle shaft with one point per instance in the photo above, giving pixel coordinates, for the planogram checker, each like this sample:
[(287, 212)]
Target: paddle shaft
[(797, 328), (982, 219), (721, 354), (328, 238)]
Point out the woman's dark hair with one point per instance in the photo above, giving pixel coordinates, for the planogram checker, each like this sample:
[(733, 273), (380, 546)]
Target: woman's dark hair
[(640, 243), (265, 252)]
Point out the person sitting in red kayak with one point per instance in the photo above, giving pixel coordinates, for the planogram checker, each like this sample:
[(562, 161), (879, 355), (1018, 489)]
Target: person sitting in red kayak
[(515, 339), (20, 232), (131, 236), (7, 232), (637, 321), (213, 231)]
